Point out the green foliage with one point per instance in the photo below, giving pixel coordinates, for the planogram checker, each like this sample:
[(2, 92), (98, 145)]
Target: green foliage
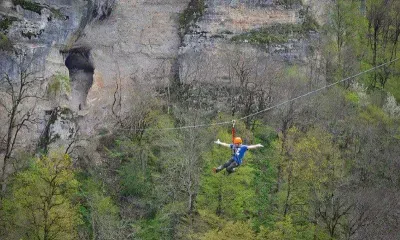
[(283, 230), (231, 231), (312, 170), (279, 33), (100, 213), (42, 200), (5, 43), (316, 160), (6, 22), (346, 31), (159, 184), (164, 225), (57, 13), (294, 72), (309, 22), (29, 5), (373, 114), (352, 97), (264, 134), (150, 229), (190, 15), (37, 8), (288, 3), (286, 229), (393, 87), (59, 83), (264, 181), (382, 35), (134, 161), (229, 195), (135, 179), (265, 174)]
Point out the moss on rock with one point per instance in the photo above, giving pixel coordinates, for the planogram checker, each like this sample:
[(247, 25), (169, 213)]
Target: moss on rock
[(29, 5), (194, 11), (279, 33), (5, 43), (6, 22)]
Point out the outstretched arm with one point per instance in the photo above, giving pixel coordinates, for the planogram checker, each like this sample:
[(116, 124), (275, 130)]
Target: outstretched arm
[(222, 143), (254, 146)]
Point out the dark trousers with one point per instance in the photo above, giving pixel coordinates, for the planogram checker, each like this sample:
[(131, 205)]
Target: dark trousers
[(229, 165)]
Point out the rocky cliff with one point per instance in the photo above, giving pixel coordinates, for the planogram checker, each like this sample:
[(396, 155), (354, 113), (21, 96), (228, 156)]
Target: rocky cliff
[(237, 48), (115, 50), (108, 50)]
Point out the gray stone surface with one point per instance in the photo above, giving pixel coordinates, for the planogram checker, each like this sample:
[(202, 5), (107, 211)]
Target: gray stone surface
[(211, 35), (133, 46), (63, 128)]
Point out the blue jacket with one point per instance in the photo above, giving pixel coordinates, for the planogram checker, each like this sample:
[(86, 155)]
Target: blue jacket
[(239, 153)]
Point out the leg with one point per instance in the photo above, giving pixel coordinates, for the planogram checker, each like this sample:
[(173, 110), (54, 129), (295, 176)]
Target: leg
[(231, 167), (225, 165)]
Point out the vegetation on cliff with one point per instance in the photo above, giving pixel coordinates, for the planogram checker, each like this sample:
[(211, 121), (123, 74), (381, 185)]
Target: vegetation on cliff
[(189, 16), (329, 168)]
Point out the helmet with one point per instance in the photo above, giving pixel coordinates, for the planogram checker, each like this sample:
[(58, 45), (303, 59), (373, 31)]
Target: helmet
[(237, 140)]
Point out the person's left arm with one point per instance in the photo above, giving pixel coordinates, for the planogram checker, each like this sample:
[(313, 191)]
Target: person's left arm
[(254, 146)]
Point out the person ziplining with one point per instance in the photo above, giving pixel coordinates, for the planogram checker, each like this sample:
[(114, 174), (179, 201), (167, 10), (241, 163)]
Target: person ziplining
[(266, 109), (239, 151)]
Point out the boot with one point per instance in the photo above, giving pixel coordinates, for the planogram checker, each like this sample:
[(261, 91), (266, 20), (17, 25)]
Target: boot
[(231, 170), (215, 170)]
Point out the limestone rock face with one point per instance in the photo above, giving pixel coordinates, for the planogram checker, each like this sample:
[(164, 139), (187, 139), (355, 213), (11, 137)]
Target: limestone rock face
[(210, 42), (109, 48), (41, 29), (60, 130), (115, 50), (133, 49), (319, 9)]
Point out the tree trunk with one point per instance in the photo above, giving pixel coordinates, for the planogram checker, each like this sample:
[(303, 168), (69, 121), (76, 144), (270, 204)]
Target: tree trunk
[(288, 195), (9, 148)]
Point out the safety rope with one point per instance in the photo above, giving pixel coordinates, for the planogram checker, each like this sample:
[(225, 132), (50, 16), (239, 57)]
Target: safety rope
[(266, 109), (233, 135), (233, 130)]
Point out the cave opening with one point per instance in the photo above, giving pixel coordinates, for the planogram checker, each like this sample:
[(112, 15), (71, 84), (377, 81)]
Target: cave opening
[(81, 72)]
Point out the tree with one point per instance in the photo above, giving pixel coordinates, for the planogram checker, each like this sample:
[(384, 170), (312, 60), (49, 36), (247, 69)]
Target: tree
[(59, 85), (313, 172), (99, 212), (231, 231), (43, 200), (19, 92), (181, 162), (291, 85), (383, 35), (265, 171), (285, 229), (346, 27), (229, 196), (252, 77)]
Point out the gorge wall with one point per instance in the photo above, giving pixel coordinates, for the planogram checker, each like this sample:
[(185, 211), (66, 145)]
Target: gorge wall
[(114, 50)]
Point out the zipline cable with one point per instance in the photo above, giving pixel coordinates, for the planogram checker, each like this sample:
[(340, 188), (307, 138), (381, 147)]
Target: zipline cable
[(319, 89), (266, 109)]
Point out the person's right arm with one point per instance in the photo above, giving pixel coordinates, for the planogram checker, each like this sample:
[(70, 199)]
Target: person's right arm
[(222, 143)]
